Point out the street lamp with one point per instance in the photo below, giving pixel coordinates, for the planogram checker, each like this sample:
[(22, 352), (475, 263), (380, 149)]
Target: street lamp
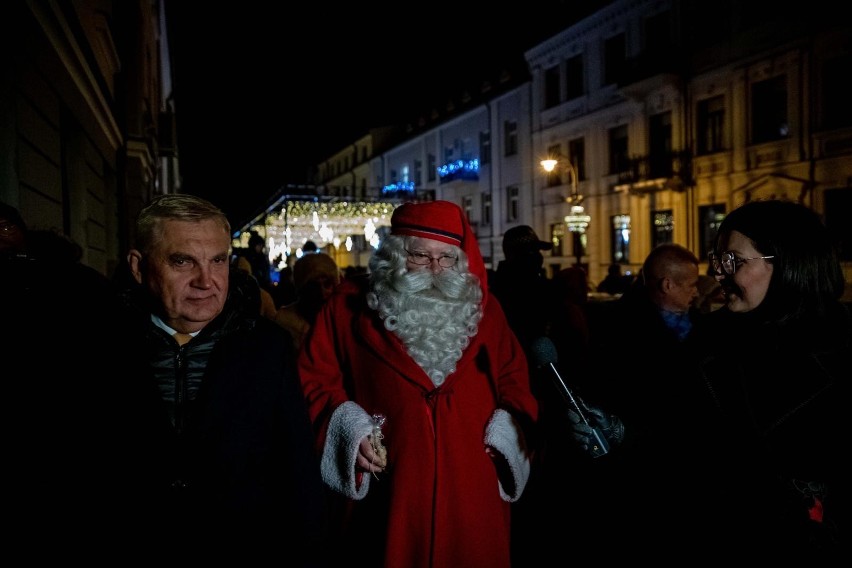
[(577, 221)]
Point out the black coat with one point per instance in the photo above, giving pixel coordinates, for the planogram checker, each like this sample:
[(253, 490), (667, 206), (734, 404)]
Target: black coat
[(777, 432), (234, 464)]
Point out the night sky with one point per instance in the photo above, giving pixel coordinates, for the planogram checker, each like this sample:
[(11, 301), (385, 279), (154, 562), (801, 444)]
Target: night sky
[(265, 93)]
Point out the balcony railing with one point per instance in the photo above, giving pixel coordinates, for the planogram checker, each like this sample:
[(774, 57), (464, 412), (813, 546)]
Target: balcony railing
[(657, 172)]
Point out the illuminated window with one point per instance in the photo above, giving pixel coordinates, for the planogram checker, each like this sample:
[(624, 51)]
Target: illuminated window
[(620, 239), (662, 227), (512, 203)]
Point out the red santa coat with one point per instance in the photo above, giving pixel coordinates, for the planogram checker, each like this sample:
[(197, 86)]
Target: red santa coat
[(439, 503)]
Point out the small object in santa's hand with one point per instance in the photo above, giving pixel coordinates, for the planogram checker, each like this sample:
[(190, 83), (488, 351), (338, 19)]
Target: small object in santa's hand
[(376, 439)]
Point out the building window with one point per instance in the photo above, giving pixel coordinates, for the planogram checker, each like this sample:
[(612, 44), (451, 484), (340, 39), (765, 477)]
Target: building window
[(615, 58), (769, 110), (554, 178), (486, 209), (449, 153), (662, 227), (658, 36), (620, 253), (432, 168), (579, 247), (575, 78), (577, 155), (485, 147), (711, 124), (551, 87), (557, 237), (512, 203), (618, 158), (510, 137), (418, 172), (467, 207), (660, 144), (836, 111), (709, 219)]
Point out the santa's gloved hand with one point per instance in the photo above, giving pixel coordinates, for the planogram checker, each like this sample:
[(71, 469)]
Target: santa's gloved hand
[(601, 425)]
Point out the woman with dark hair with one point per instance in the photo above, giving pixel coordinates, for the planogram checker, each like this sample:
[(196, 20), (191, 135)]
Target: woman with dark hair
[(776, 358)]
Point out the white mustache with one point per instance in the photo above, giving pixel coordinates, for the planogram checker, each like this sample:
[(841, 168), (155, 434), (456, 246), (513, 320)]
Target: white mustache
[(446, 283)]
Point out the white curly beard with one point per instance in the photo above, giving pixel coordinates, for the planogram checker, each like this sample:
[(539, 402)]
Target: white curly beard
[(434, 314)]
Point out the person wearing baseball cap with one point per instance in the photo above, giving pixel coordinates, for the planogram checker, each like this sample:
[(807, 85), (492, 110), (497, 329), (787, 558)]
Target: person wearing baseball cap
[(420, 397), (521, 240), (522, 287)]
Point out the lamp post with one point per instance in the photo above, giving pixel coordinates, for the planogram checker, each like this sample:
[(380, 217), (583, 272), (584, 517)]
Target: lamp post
[(577, 221)]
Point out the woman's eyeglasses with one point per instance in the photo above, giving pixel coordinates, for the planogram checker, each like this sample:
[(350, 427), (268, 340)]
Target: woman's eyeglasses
[(727, 262), (423, 259)]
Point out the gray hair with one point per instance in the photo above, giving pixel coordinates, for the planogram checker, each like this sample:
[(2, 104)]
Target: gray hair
[(177, 206)]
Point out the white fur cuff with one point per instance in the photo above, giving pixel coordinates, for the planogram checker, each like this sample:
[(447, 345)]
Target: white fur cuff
[(349, 425), (505, 436)]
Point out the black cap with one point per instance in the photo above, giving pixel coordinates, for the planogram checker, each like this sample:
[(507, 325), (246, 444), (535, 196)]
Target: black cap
[(522, 239)]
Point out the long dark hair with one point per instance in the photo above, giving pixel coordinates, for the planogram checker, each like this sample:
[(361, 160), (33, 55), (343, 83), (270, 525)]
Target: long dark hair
[(807, 279)]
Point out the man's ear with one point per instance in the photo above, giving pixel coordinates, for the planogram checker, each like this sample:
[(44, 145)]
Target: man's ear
[(666, 284), (134, 260)]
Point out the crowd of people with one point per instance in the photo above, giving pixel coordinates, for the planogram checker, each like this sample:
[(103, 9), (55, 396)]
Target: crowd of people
[(408, 416)]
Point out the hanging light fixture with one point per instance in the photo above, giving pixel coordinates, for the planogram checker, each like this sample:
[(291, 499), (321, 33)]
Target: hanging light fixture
[(577, 220)]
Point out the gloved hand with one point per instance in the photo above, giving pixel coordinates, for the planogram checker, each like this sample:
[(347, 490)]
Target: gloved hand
[(607, 424)]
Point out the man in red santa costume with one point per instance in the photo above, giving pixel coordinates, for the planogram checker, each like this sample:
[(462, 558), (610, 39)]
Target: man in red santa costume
[(420, 397)]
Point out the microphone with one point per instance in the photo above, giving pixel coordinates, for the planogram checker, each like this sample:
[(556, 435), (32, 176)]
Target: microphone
[(544, 354)]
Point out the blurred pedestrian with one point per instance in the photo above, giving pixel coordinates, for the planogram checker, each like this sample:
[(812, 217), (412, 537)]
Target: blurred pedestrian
[(267, 302), (614, 283), (59, 379), (315, 277), (259, 260), (522, 287), (13, 231)]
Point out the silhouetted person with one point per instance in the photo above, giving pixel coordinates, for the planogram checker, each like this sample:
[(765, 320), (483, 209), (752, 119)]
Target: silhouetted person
[(259, 260), (521, 286), (645, 385), (529, 301), (315, 277), (267, 302), (60, 377), (615, 282)]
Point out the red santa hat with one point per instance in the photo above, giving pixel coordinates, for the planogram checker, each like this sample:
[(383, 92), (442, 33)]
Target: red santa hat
[(442, 221)]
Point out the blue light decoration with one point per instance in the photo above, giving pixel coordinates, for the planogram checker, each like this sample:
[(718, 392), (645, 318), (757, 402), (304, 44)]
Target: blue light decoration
[(397, 188), (459, 169)]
